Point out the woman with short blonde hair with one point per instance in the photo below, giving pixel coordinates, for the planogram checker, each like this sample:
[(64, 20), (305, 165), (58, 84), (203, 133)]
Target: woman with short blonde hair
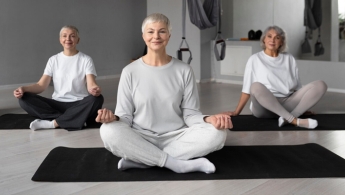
[(157, 121)]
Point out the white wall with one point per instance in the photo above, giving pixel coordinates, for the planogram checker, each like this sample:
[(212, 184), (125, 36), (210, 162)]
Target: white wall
[(251, 15), (334, 31), (205, 65), (227, 18), (330, 72)]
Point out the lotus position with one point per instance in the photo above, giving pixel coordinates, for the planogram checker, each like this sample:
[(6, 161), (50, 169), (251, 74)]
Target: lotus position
[(76, 98), (157, 121)]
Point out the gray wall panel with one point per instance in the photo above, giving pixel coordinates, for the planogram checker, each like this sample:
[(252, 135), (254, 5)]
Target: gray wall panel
[(110, 32)]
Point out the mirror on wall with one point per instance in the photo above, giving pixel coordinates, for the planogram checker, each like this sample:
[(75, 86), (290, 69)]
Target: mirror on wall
[(289, 15)]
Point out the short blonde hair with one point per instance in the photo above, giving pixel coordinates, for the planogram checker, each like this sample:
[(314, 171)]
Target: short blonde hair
[(70, 27), (156, 17)]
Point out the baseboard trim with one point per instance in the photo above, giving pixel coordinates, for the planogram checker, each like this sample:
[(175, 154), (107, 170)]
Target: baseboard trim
[(206, 80), (229, 81), (336, 90)]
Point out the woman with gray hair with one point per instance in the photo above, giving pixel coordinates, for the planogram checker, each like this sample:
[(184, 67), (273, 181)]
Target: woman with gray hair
[(76, 97), (157, 121), (271, 80)]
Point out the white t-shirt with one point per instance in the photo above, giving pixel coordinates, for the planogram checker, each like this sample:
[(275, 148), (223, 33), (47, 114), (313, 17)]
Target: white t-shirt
[(158, 99), (279, 74), (69, 76)]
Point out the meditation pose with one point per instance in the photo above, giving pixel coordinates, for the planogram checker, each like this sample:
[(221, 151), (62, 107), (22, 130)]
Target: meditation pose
[(76, 98), (271, 80), (157, 121)]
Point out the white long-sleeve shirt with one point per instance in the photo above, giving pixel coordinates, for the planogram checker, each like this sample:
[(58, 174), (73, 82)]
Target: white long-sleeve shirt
[(279, 74), (158, 99)]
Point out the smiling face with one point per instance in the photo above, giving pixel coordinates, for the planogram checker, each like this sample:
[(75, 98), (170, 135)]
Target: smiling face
[(273, 41), (69, 39), (156, 36)]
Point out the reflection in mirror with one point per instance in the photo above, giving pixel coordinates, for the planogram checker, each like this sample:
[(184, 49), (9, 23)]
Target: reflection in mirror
[(289, 15), (341, 12)]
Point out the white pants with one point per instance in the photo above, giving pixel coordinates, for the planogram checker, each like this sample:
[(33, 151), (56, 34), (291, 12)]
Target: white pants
[(151, 149)]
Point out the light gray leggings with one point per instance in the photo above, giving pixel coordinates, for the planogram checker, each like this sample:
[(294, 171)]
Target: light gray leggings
[(152, 149), (266, 105)]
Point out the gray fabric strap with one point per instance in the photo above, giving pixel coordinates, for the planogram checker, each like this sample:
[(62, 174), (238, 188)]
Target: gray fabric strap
[(186, 49), (312, 21), (211, 8), (184, 7), (219, 39), (313, 14), (305, 45)]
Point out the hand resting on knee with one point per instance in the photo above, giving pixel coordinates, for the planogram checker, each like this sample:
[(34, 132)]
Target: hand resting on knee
[(106, 116)]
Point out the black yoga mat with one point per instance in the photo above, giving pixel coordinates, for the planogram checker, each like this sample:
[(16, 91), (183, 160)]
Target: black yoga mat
[(232, 162), (22, 121), (251, 123)]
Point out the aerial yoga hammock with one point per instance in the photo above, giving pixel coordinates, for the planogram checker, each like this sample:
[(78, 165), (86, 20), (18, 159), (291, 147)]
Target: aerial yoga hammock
[(203, 16), (312, 21)]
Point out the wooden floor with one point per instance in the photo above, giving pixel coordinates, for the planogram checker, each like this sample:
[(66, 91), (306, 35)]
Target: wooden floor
[(22, 151)]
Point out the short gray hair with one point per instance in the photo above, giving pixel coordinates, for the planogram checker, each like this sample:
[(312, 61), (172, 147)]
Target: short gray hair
[(280, 32), (70, 27), (156, 17)]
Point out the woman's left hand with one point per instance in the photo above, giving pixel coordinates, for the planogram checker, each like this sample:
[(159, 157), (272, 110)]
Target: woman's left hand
[(220, 121), (95, 91)]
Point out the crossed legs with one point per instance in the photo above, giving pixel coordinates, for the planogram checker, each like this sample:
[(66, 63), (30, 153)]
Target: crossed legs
[(172, 150), (52, 113), (266, 105)]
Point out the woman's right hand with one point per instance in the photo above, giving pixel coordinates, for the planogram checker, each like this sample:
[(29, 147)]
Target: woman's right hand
[(18, 93), (243, 101), (106, 116)]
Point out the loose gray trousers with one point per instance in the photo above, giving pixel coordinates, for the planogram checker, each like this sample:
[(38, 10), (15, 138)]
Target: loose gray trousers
[(266, 105), (152, 149)]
